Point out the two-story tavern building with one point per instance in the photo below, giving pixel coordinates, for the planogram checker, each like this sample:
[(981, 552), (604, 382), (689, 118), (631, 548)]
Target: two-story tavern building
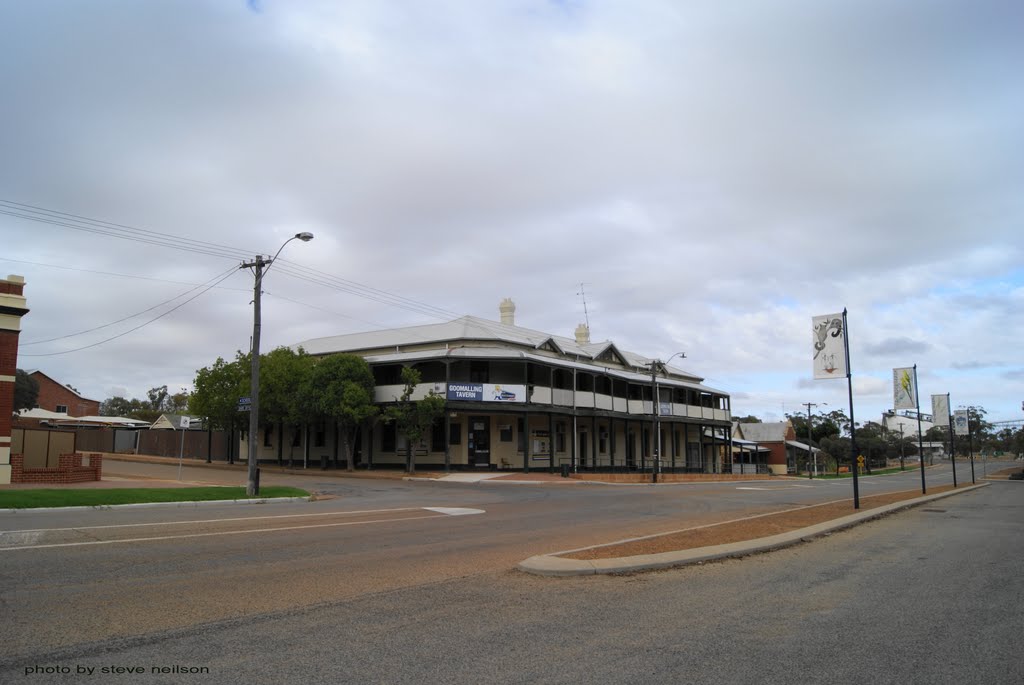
[(522, 399)]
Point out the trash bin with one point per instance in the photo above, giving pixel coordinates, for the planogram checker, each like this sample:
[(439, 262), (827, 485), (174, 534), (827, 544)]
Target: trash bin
[(565, 470)]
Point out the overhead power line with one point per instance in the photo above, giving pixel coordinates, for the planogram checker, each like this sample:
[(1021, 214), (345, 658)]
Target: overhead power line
[(125, 232), (141, 325), (218, 278)]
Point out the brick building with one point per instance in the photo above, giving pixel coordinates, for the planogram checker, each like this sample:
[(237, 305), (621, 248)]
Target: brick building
[(59, 398), (12, 308)]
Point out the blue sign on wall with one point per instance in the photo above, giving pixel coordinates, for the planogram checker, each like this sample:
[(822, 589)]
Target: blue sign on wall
[(466, 391)]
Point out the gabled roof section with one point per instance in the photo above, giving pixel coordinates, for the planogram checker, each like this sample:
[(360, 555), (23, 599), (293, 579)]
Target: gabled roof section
[(609, 353), (56, 382), (551, 345)]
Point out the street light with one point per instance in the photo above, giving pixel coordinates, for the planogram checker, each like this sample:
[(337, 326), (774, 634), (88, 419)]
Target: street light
[(252, 488), (658, 366)]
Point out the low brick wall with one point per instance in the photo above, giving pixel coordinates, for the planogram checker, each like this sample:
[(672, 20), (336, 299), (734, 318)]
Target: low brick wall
[(69, 469), (670, 477)]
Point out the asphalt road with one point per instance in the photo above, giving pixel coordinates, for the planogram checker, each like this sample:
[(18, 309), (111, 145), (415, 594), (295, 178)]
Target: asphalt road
[(372, 587)]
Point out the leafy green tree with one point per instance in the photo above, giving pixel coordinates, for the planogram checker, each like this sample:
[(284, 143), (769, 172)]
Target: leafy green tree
[(26, 391), (116, 406), (284, 373), (747, 419), (340, 389), (217, 389), (414, 418)]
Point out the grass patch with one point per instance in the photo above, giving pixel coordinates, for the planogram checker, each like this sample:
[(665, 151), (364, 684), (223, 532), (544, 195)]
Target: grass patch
[(874, 472), (95, 497)]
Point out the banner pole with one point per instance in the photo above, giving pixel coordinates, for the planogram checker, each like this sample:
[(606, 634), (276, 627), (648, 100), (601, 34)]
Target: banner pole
[(920, 439), (952, 448), (853, 434)]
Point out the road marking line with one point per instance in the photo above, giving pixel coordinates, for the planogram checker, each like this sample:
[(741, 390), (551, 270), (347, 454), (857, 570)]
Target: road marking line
[(455, 511), (206, 535), (188, 521)]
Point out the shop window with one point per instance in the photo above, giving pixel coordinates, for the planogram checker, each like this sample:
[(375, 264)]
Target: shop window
[(455, 434), (522, 435), (268, 436), (560, 436), (319, 439)]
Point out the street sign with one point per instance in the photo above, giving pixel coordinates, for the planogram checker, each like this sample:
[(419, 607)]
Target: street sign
[(186, 421), (244, 404)]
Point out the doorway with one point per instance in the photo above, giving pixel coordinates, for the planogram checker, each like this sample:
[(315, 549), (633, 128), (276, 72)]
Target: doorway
[(480, 441)]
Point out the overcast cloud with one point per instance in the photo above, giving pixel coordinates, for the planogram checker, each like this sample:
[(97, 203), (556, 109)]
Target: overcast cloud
[(713, 174)]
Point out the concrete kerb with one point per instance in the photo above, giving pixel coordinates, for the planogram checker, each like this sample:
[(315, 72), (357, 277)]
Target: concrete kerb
[(554, 565)]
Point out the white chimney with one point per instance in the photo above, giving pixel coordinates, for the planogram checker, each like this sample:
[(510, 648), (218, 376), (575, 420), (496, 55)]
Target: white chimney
[(583, 334), (508, 311)]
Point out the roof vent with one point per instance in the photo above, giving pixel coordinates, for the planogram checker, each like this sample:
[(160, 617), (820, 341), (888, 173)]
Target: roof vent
[(583, 334), (508, 311)]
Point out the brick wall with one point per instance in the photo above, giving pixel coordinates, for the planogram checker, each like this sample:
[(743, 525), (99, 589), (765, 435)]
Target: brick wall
[(69, 470), (52, 394)]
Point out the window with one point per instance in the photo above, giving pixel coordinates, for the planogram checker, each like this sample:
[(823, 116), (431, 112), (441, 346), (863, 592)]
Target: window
[(560, 436), (505, 432), (387, 438), (479, 372), (268, 434), (62, 409), (455, 434), (296, 437), (318, 436), (602, 440), (522, 435)]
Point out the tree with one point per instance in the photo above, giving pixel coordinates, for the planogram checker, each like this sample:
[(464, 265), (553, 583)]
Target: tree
[(157, 398), (26, 391), (747, 419), (117, 406), (284, 375), (340, 389), (414, 418), (218, 388)]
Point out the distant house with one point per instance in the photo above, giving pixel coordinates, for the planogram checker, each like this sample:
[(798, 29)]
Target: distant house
[(780, 441), (61, 399), (174, 422)]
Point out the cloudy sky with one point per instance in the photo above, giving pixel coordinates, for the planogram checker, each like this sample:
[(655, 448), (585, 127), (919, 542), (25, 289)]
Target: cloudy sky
[(713, 174)]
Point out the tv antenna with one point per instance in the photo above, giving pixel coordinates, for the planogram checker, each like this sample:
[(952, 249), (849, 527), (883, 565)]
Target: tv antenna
[(583, 294)]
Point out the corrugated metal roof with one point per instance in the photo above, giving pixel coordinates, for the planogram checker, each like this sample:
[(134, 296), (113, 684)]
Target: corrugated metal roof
[(476, 329), (764, 432)]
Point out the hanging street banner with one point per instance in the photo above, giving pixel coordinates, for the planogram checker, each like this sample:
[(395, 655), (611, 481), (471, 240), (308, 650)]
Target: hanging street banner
[(904, 390), (940, 410), (960, 425), (829, 337)]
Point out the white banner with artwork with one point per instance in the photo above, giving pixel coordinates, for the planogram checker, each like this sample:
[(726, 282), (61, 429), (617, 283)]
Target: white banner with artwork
[(940, 410), (904, 388), (960, 424), (829, 336)]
